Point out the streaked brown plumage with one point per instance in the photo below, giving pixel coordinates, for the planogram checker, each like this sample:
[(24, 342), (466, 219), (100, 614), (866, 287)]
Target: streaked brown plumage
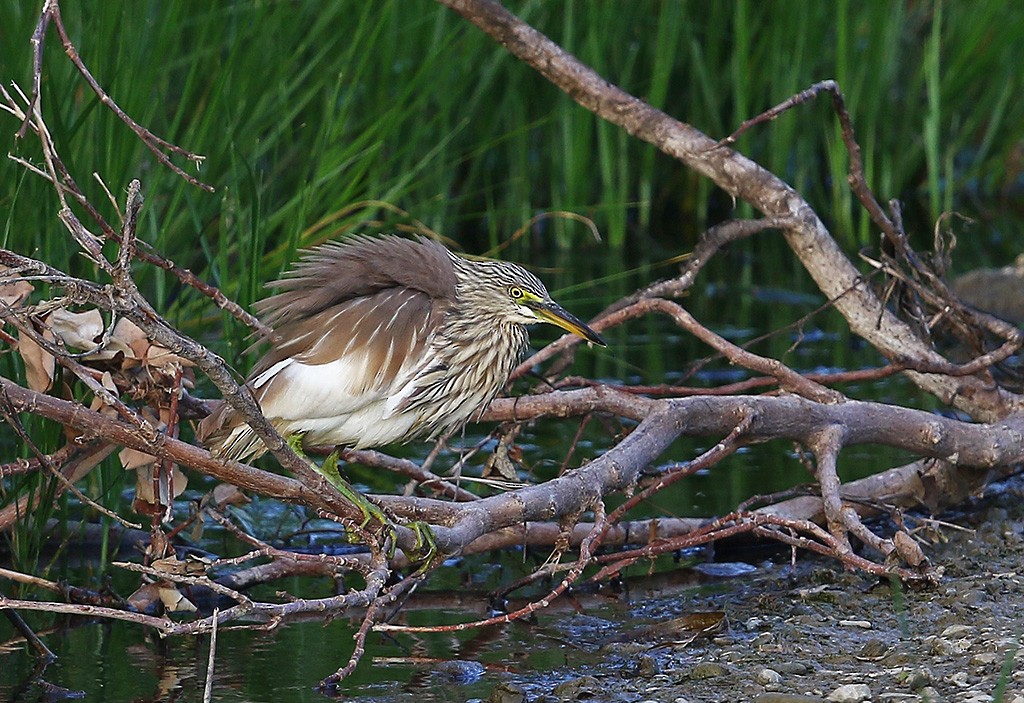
[(383, 339)]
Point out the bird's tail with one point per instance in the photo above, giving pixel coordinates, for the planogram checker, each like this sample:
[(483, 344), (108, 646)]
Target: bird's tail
[(226, 436)]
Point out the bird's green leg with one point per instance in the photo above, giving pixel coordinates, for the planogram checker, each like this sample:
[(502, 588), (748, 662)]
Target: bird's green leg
[(329, 470), (424, 549)]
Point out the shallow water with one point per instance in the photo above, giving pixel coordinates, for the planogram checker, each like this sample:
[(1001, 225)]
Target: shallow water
[(116, 662)]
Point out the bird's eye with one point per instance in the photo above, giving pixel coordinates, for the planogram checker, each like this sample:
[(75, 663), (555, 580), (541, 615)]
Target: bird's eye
[(516, 292)]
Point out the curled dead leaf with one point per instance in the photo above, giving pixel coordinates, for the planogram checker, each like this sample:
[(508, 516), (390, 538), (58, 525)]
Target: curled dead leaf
[(39, 363), (127, 338), (164, 358), (229, 494), (175, 602), (133, 458), (13, 292), (80, 330)]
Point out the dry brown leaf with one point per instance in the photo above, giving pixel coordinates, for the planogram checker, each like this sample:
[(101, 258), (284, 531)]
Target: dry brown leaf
[(39, 363), (229, 494), (13, 293), (133, 458), (127, 338), (175, 602), (161, 357), (144, 484), (107, 381), (81, 330)]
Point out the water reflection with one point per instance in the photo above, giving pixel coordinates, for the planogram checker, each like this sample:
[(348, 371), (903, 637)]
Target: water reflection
[(114, 662)]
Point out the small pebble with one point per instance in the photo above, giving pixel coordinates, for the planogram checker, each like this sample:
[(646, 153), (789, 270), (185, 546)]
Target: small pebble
[(957, 631), (984, 659), (707, 670), (862, 624), (506, 692), (768, 676), (851, 693)]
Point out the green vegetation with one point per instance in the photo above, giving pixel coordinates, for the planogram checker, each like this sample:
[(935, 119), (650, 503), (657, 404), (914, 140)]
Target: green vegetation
[(305, 109)]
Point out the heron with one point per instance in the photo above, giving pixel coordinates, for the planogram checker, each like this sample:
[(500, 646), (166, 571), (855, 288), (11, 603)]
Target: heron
[(381, 340)]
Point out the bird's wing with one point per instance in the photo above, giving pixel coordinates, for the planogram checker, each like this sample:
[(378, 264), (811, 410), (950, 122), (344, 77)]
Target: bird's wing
[(352, 324), (352, 354), (356, 268)]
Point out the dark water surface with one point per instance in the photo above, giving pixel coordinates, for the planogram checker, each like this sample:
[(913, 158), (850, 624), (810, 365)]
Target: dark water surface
[(117, 662)]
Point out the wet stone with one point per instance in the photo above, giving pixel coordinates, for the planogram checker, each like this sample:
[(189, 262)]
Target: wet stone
[(859, 624), (583, 687), (707, 670), (506, 692), (792, 668), (851, 693), (918, 679)]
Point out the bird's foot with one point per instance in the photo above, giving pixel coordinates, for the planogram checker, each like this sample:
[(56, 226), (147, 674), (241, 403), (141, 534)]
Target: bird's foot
[(425, 548), (370, 512)]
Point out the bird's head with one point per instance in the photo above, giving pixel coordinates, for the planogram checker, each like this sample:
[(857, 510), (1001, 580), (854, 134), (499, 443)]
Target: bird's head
[(510, 293)]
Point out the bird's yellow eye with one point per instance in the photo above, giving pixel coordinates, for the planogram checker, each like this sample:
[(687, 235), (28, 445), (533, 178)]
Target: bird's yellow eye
[(516, 292)]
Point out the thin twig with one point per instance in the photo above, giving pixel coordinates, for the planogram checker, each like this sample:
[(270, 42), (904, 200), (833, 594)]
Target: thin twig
[(208, 689)]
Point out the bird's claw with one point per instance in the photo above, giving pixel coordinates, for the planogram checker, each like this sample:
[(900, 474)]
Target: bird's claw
[(425, 547)]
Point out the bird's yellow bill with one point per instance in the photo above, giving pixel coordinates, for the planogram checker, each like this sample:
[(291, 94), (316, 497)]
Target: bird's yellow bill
[(559, 316)]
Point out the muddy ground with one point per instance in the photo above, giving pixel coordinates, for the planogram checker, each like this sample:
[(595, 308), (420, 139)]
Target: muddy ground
[(819, 634)]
